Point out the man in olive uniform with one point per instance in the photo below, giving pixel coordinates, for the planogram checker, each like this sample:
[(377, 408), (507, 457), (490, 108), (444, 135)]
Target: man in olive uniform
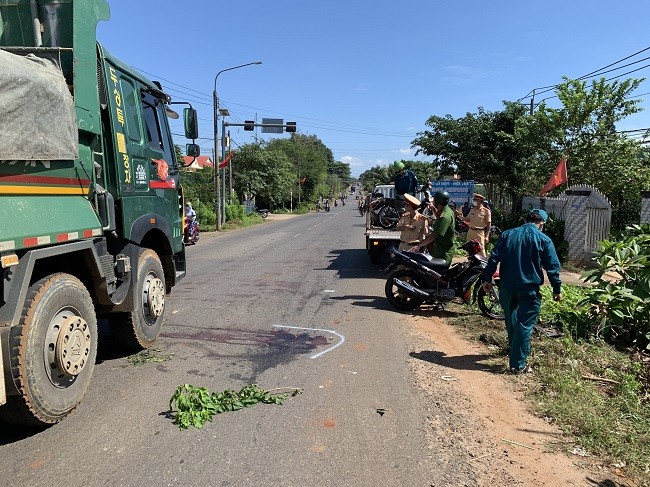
[(413, 225), (442, 229), (479, 220), (523, 254)]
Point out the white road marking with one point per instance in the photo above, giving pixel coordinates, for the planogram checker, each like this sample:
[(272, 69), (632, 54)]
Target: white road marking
[(317, 329)]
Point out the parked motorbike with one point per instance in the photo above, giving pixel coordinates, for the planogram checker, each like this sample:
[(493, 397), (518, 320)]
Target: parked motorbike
[(375, 205), (418, 279), (461, 226), (191, 232), (389, 212), (263, 212)]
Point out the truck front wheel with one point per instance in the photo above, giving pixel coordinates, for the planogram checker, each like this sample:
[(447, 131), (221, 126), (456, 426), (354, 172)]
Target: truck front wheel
[(140, 328), (52, 351)]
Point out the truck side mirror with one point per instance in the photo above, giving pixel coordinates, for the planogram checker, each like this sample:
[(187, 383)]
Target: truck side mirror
[(191, 123), (192, 150)]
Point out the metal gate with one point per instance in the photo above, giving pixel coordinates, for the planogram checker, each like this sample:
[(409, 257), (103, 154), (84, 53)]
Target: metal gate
[(587, 214)]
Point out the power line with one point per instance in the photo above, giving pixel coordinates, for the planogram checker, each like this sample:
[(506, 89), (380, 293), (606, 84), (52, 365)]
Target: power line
[(324, 125), (552, 87)]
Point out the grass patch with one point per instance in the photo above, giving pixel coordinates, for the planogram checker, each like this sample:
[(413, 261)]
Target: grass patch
[(245, 222), (594, 393), (597, 395)]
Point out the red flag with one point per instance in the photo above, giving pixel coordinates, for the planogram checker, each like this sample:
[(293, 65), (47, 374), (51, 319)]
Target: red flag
[(558, 177), (224, 163)]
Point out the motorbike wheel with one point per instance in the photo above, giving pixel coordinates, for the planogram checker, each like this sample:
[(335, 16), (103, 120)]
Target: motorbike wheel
[(398, 298), (264, 214), (388, 217), (489, 303)]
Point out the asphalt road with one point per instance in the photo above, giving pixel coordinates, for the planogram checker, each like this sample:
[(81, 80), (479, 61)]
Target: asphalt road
[(287, 303)]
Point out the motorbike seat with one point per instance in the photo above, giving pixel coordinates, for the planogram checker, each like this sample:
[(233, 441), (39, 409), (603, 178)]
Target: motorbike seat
[(430, 262)]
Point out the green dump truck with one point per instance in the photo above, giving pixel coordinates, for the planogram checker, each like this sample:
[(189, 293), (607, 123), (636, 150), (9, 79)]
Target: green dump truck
[(91, 210)]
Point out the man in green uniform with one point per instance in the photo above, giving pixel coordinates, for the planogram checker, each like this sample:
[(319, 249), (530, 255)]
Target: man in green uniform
[(522, 253), (442, 229)]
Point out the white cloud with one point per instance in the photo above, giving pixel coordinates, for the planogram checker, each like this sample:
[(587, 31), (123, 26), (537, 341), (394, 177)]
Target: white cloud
[(463, 75), (352, 161), (361, 86)]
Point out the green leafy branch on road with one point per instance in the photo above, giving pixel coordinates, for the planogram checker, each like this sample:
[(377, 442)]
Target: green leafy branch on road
[(195, 406), (147, 356)]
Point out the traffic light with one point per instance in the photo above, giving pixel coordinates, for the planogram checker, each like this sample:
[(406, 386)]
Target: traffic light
[(291, 127), (249, 124)]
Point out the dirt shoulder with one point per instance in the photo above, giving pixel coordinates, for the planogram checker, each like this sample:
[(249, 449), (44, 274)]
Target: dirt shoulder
[(507, 444), (280, 216)]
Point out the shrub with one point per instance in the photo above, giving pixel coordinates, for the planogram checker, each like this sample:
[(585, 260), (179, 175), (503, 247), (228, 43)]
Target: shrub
[(566, 315), (619, 302), (555, 230), (235, 212), (205, 213)]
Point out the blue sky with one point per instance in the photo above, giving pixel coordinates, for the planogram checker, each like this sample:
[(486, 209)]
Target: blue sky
[(363, 75)]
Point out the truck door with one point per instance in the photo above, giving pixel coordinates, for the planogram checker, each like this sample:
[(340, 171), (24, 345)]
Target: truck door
[(146, 167)]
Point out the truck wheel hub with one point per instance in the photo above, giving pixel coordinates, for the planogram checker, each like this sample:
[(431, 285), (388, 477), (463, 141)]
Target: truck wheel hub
[(153, 297), (72, 346)]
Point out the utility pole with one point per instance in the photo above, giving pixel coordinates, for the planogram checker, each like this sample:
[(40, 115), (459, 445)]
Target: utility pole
[(223, 170), (231, 194), (532, 102)]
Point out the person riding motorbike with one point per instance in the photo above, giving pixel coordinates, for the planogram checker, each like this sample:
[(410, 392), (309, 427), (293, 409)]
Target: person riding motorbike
[(442, 230), (189, 211), (190, 230)]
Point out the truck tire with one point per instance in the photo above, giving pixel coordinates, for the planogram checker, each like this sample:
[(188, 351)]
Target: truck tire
[(139, 329), (52, 351)]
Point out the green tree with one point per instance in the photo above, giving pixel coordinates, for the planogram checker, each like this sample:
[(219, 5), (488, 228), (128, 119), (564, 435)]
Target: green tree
[(513, 152), (374, 176), (265, 174), (584, 131), (311, 161), (481, 146)]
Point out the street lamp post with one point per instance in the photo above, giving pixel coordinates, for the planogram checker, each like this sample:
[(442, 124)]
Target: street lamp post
[(217, 182)]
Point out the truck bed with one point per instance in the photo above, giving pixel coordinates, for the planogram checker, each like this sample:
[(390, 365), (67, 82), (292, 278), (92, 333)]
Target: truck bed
[(379, 240), (380, 233)]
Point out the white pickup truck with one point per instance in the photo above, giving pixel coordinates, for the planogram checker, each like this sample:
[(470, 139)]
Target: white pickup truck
[(379, 239)]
